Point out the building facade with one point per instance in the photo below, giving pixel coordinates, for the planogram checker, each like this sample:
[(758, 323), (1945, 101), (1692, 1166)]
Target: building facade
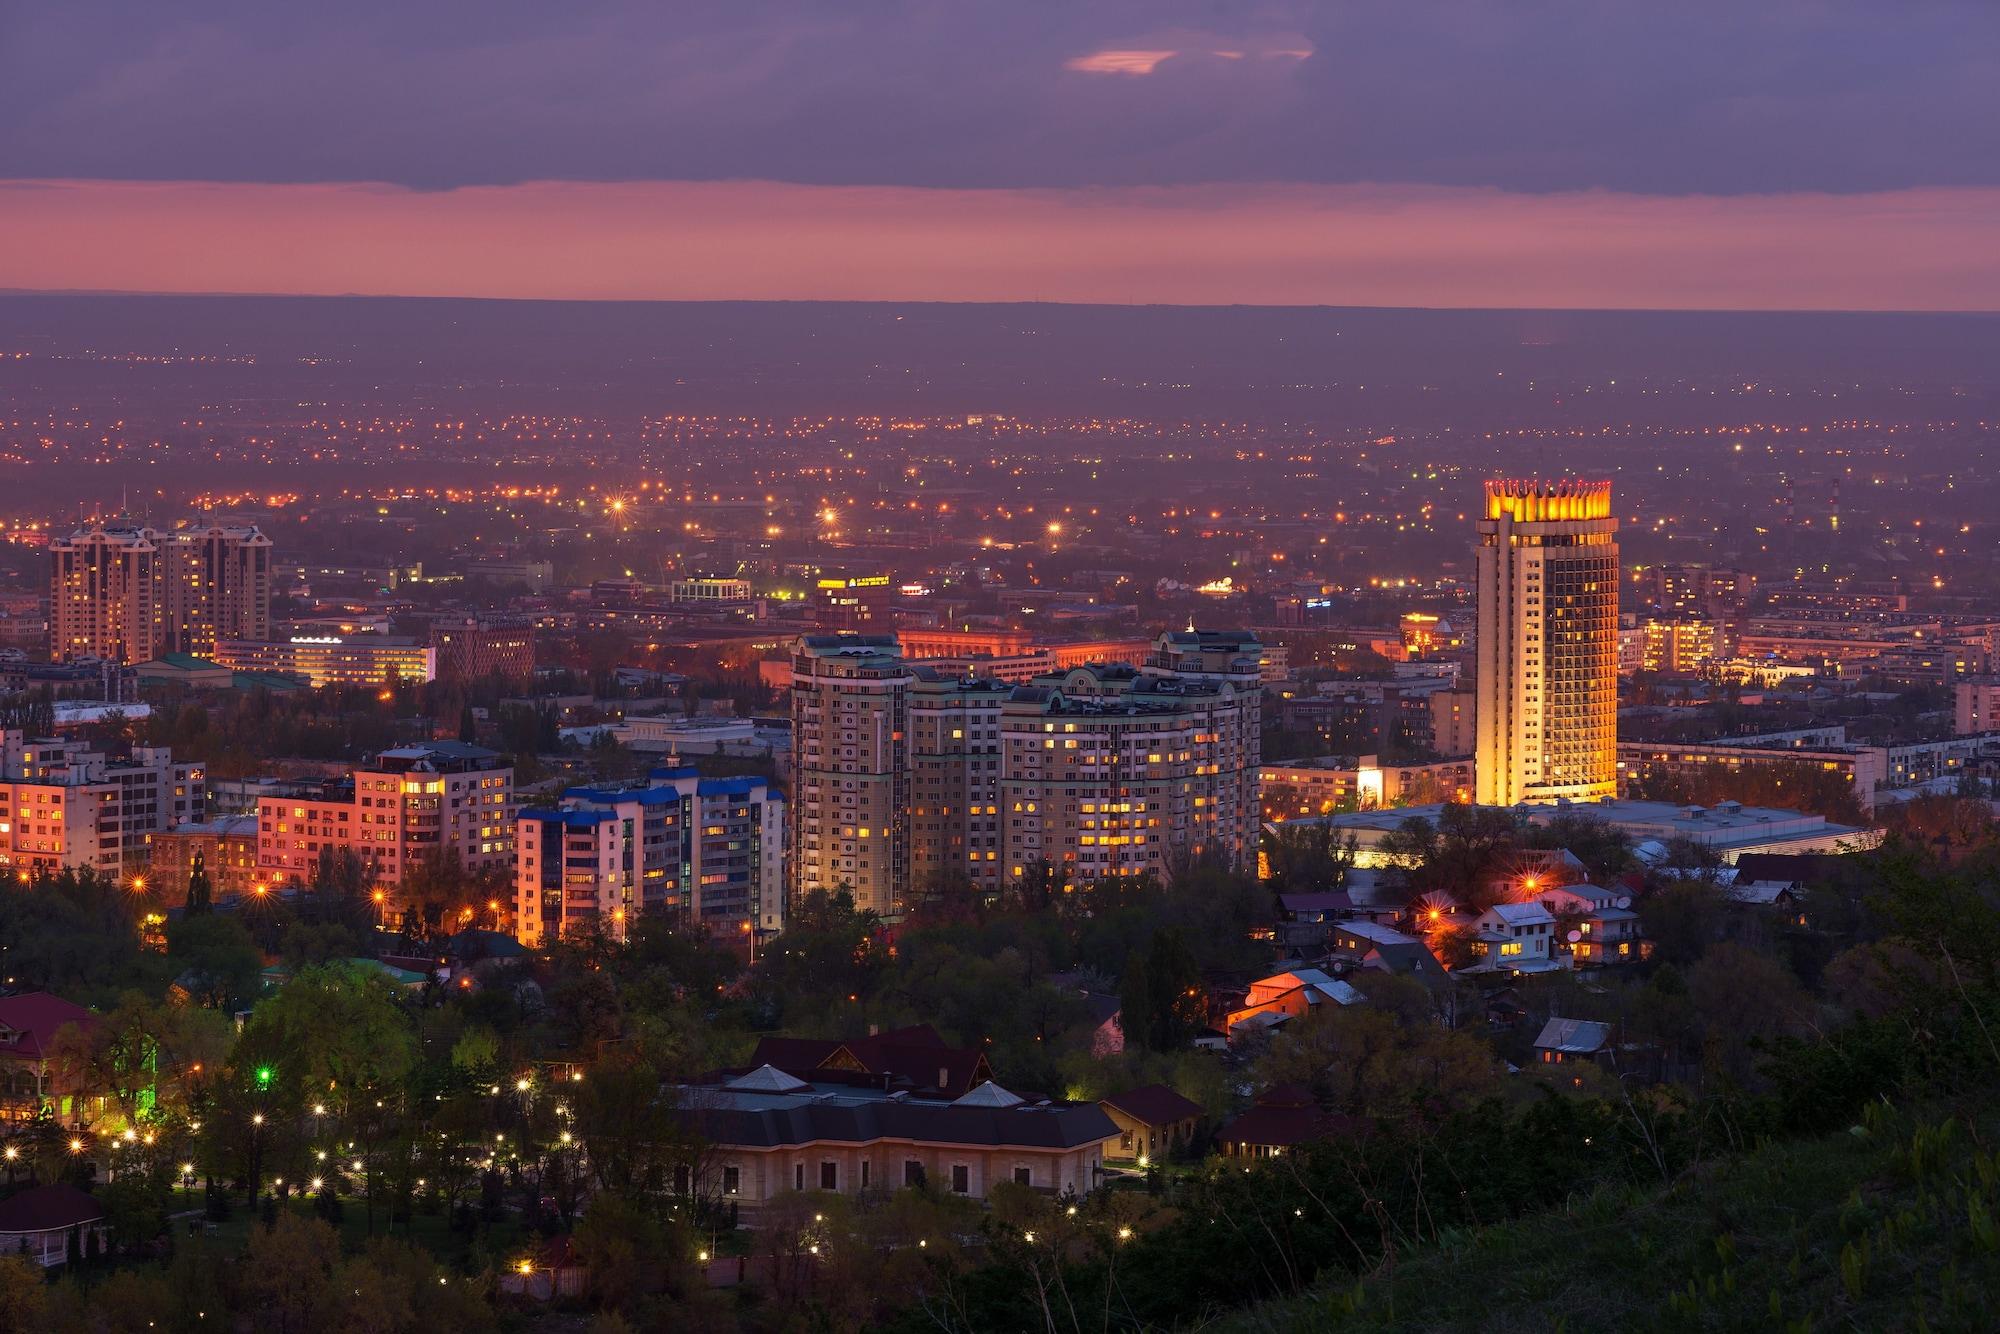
[(473, 648), (130, 593), (1547, 581), (850, 769), (65, 805), (905, 778), (333, 660), (706, 850), (400, 807)]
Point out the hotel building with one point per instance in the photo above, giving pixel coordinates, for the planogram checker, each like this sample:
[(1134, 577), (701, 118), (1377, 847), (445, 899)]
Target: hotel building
[(1546, 583)]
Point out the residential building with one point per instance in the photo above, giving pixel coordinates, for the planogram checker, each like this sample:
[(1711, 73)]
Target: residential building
[(1562, 1041), (46, 1224), (1280, 1120), (227, 846), (700, 850), (476, 648), (346, 660), (30, 1079), (1282, 997), (1547, 581), (850, 766), (954, 757), (915, 1059), (65, 805), (1153, 1121), (1316, 787), (401, 806), (130, 593), (1514, 938), (904, 776), (1976, 705), (770, 1133), (1680, 647)]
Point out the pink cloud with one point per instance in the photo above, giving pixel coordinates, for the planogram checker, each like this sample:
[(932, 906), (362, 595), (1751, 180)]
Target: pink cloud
[(1282, 245), (1119, 62)]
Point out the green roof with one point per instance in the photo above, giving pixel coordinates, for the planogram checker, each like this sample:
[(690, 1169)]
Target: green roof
[(185, 662)]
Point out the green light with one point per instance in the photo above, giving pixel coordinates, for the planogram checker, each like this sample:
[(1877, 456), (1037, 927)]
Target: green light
[(263, 1076)]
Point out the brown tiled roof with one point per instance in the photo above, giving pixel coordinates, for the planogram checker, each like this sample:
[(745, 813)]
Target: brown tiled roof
[(36, 1016), (915, 1056), (46, 1208), (1154, 1105)]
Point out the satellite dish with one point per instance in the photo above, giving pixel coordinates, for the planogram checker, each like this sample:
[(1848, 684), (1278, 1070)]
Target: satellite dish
[(1574, 936)]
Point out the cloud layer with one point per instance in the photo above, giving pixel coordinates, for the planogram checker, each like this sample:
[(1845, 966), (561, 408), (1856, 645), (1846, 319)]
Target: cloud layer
[(1680, 97), (1339, 245)]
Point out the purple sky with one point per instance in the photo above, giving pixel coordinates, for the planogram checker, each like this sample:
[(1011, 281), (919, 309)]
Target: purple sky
[(1845, 110)]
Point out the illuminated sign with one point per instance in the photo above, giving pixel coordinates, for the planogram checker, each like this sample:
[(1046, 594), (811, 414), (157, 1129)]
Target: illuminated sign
[(861, 581)]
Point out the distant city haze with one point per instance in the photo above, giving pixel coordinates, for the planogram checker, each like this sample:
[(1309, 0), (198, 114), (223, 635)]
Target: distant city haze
[(1249, 244)]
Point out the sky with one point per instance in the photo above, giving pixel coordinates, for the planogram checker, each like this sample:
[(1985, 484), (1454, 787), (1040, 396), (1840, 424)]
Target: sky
[(1806, 154)]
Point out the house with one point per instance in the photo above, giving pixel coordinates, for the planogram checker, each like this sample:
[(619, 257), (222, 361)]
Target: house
[(28, 1082), (1781, 880), (1514, 937), (49, 1224), (1152, 1121), (1408, 958), (1604, 928), (1564, 1040), (1285, 996), (1354, 941), (768, 1133), (914, 1059), (1305, 919), (1107, 1034), (1282, 1118)]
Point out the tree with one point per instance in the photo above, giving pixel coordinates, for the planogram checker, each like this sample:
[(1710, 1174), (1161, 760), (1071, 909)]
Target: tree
[(218, 961), (1308, 858), (1162, 1003), (199, 892), (287, 1270)]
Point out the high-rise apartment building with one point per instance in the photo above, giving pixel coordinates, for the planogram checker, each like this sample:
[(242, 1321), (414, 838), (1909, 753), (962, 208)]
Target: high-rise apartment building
[(700, 850), (1679, 648), (905, 778), (1546, 585), (954, 757), (130, 593), (850, 769), (479, 648)]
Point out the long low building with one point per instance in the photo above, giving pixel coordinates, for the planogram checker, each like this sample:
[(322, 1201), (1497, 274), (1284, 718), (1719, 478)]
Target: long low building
[(772, 1133), (1728, 827), (346, 660)]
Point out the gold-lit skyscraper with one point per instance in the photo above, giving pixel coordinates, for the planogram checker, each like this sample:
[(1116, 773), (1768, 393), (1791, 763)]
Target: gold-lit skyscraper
[(1546, 582)]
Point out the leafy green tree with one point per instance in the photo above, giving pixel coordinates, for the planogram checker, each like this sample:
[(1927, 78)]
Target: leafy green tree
[(216, 959), (1163, 1004)]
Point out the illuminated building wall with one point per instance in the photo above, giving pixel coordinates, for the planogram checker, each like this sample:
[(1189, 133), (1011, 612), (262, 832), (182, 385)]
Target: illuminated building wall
[(64, 805), (131, 593), (954, 757), (1546, 583), (400, 807), (850, 769), (700, 850), (360, 660), (1678, 648)]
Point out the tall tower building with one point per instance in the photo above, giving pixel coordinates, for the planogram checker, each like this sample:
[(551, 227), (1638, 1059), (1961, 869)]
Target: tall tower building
[(1546, 581), (850, 769)]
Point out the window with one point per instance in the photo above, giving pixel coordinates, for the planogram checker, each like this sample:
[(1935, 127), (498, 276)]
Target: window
[(913, 1172), (961, 1179), (732, 1181), (864, 1174), (1024, 1176), (829, 1176), (798, 1176)]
